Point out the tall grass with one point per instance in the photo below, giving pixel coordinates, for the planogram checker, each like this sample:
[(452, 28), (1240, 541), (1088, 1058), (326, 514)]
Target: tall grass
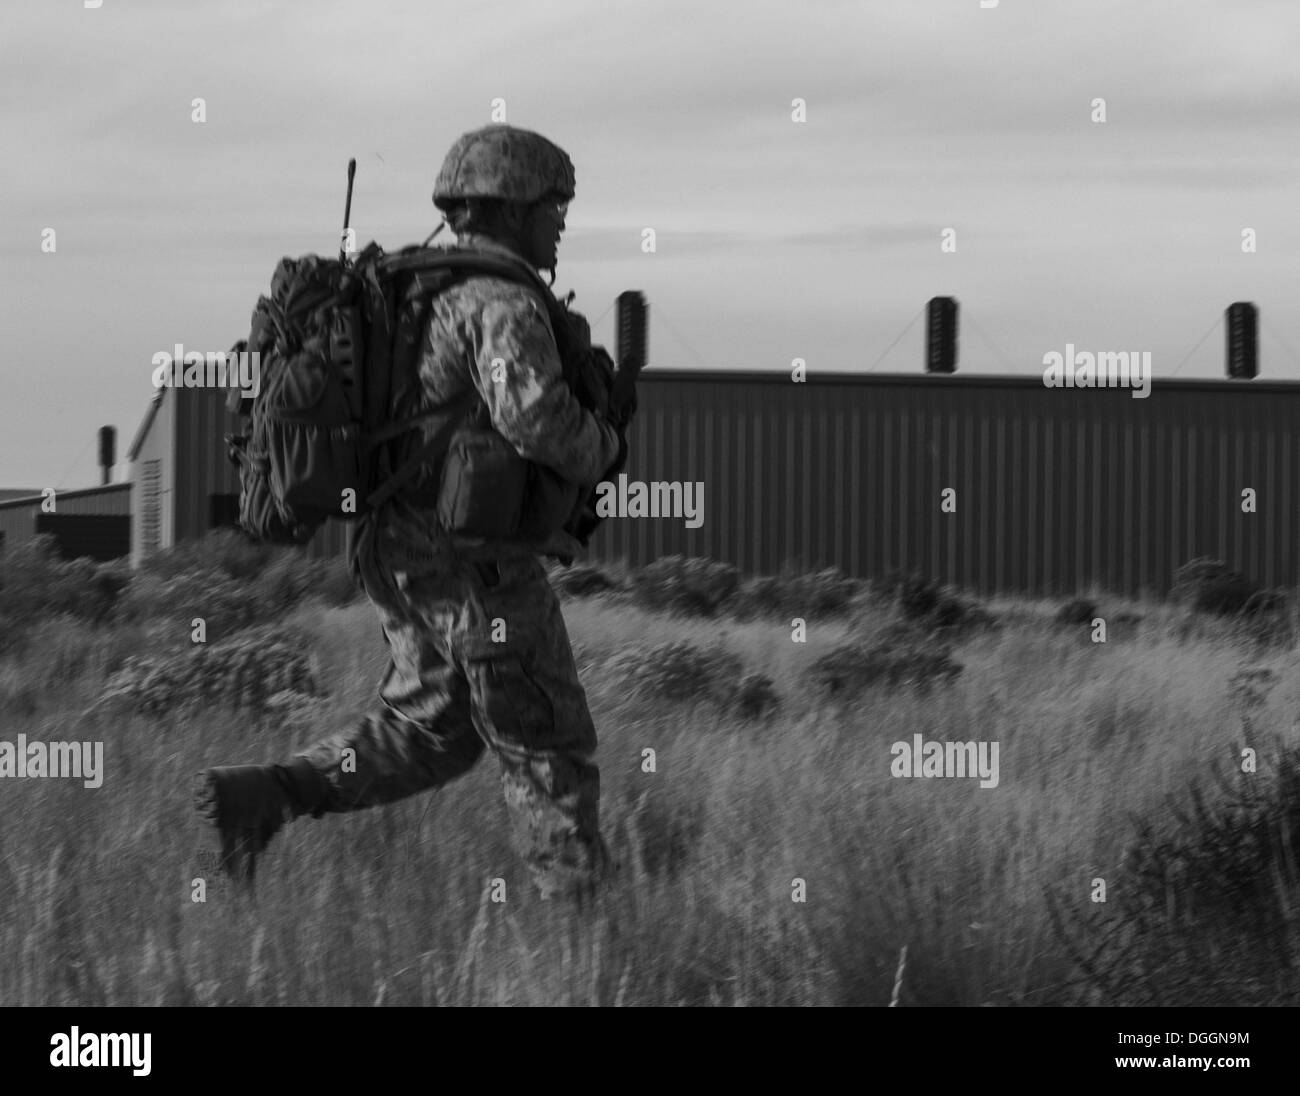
[(393, 905)]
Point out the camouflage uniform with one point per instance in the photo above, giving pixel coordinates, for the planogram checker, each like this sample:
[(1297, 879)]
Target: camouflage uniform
[(479, 652)]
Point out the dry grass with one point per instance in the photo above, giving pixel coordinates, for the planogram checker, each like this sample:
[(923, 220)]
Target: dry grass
[(391, 906)]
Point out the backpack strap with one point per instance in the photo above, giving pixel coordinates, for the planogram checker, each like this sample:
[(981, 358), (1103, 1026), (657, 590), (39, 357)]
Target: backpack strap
[(466, 262), (451, 414), (472, 262)]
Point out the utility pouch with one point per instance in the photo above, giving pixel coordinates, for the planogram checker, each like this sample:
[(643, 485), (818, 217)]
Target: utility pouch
[(484, 485), (549, 503)]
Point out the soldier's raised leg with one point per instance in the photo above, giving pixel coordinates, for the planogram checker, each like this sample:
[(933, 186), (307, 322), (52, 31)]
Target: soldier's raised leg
[(422, 737)]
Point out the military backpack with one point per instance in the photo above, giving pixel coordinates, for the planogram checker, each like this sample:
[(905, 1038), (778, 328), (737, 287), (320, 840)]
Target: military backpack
[(338, 344)]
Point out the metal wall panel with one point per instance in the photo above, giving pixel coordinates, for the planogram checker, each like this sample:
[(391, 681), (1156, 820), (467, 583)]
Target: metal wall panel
[(1058, 490), (17, 524), (96, 536), (110, 499)]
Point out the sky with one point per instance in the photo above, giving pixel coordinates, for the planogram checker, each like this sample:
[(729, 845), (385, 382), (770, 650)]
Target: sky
[(775, 239)]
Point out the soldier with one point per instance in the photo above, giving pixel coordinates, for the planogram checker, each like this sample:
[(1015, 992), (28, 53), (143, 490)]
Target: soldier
[(479, 655)]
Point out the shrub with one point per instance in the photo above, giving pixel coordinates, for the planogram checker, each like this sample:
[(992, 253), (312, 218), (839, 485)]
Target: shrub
[(225, 604), (824, 593), (929, 605), (244, 671), (1078, 611), (36, 584), (230, 602), (755, 697), (1203, 910), (225, 551), (1267, 620), (582, 580), (957, 616), (898, 657), (678, 670), (689, 586), (1209, 586), (918, 598)]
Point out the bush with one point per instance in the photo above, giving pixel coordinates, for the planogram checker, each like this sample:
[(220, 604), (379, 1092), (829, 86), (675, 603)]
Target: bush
[(224, 551), (825, 593), (958, 616), (1265, 620), (582, 580), (229, 600), (918, 598), (36, 584), (245, 671), (678, 670), (755, 697), (1209, 586), (1203, 913), (929, 605), (225, 579), (689, 586), (226, 605), (1078, 611), (898, 657)]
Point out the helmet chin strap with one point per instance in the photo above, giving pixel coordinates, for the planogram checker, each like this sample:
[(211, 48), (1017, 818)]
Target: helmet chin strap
[(552, 281)]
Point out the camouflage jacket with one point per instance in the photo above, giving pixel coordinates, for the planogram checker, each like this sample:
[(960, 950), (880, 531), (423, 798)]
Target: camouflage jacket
[(495, 336)]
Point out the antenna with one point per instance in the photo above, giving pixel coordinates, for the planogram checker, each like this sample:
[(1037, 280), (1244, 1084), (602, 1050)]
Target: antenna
[(347, 211)]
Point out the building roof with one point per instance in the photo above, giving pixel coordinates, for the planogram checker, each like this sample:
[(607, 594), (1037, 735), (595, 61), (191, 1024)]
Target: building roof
[(35, 497), (155, 402), (952, 380)]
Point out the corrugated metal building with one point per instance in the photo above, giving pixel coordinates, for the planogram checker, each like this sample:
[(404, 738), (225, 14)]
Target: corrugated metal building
[(93, 521), (1056, 489)]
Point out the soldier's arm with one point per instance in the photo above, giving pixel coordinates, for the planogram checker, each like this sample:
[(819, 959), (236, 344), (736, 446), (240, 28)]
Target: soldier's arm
[(521, 380)]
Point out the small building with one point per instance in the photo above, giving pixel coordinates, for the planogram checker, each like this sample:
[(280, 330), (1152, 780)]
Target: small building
[(92, 521)]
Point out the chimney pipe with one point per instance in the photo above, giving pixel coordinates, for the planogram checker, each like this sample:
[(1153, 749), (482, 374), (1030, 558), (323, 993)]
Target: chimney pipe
[(1242, 324), (107, 452), (941, 335)]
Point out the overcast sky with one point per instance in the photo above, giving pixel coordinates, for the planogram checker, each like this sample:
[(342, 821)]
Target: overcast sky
[(775, 239)]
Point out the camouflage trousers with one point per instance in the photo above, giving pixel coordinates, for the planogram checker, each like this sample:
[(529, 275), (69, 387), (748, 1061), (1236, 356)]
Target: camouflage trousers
[(479, 658)]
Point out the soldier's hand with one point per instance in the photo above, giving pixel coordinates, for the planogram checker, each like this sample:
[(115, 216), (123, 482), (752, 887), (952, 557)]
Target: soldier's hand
[(620, 428), (579, 329)]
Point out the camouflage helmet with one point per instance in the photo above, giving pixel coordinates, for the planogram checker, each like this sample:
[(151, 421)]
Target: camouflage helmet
[(504, 162)]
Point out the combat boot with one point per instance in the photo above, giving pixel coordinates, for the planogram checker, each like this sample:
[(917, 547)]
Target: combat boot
[(249, 803)]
